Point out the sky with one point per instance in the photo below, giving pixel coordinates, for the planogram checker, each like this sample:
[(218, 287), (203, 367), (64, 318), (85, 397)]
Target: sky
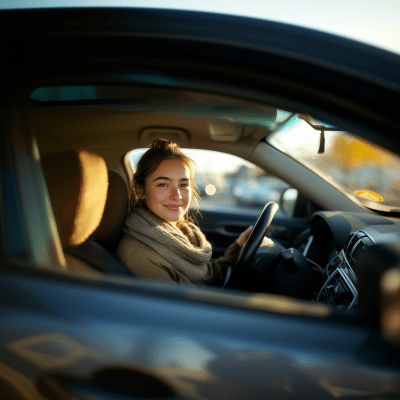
[(376, 22)]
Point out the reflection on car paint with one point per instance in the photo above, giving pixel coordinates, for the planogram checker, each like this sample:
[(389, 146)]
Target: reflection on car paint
[(51, 350)]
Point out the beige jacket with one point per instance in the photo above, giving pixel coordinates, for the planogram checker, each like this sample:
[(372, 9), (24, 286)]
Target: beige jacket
[(147, 263)]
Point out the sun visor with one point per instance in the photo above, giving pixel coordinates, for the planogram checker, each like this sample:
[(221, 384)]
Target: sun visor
[(224, 131)]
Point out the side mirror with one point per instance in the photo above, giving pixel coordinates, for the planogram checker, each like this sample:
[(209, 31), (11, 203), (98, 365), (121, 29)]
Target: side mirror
[(288, 200)]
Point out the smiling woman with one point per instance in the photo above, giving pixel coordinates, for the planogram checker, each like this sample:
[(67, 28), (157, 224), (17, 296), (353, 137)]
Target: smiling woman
[(161, 241)]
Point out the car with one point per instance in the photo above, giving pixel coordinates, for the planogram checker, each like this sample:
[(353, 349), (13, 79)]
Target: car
[(310, 309), (258, 192)]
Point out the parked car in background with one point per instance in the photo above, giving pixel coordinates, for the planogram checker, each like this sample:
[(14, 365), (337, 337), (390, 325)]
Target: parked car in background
[(309, 310), (258, 192)]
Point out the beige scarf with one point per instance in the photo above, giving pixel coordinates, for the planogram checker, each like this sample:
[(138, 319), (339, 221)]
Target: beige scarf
[(187, 249)]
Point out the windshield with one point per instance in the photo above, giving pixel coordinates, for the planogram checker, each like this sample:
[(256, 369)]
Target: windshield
[(365, 171)]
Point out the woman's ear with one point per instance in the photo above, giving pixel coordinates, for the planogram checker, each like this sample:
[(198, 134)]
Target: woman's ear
[(139, 191)]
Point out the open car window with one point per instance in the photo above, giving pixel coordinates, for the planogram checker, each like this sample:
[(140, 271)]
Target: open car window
[(368, 174)]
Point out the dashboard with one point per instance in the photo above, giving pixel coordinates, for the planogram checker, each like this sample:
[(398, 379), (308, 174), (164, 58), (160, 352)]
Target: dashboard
[(353, 250)]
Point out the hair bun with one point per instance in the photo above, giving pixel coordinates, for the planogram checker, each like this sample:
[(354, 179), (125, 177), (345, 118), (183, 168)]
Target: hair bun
[(162, 146)]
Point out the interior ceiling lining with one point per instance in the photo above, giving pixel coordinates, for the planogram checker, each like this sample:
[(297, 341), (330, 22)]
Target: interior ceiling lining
[(82, 128), (114, 129)]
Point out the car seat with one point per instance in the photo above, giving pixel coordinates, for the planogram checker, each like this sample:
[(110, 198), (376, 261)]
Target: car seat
[(89, 204), (109, 231)]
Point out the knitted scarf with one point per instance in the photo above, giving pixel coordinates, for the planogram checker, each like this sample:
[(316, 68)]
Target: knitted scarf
[(186, 248)]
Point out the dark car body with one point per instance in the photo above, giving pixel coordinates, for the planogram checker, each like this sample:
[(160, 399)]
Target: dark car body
[(65, 334)]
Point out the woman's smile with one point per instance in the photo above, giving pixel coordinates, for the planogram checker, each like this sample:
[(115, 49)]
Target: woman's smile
[(174, 207)]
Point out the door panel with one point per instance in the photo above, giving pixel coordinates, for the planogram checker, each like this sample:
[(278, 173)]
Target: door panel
[(222, 227), (114, 339)]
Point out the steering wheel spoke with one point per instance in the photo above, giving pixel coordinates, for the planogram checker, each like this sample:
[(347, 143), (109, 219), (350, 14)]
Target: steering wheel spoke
[(254, 240)]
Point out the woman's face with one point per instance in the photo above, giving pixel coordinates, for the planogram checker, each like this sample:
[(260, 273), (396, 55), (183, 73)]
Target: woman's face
[(168, 190)]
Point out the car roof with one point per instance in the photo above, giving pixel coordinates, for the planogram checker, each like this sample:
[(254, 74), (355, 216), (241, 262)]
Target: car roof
[(204, 52), (292, 41)]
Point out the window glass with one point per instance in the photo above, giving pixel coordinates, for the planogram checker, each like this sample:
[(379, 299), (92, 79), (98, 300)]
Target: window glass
[(228, 182), (364, 170)]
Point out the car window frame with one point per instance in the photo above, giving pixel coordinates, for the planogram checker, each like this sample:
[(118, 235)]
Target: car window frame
[(34, 208)]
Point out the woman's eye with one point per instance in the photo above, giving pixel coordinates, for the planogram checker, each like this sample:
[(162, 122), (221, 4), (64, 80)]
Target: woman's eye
[(162, 185), (185, 185)]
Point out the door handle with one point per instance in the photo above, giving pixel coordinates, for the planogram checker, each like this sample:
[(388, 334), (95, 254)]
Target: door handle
[(230, 230)]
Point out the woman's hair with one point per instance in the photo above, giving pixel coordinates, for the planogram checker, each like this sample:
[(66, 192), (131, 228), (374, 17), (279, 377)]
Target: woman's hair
[(159, 151)]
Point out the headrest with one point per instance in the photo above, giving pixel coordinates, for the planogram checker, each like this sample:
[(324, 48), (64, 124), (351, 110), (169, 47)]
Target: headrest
[(109, 232), (77, 182)]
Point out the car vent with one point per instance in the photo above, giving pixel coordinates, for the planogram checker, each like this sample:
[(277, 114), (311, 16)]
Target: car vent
[(356, 242), (353, 278), (339, 291)]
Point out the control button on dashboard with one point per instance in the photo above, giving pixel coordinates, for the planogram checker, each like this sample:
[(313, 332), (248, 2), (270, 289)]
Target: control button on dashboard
[(335, 262), (262, 265)]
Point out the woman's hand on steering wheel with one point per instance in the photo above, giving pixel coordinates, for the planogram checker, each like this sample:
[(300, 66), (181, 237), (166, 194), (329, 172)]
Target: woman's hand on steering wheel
[(241, 240), (255, 238)]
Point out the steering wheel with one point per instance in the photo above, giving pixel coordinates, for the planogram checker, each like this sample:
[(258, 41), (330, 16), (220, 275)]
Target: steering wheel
[(254, 240)]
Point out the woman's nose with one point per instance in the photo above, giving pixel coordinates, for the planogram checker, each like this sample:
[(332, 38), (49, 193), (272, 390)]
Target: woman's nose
[(175, 193)]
